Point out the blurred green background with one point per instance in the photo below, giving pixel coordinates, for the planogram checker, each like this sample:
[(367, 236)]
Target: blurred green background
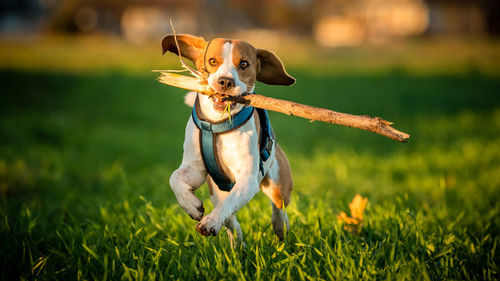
[(89, 138)]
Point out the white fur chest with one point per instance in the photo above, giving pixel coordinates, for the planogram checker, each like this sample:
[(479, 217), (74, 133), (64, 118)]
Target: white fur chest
[(238, 150)]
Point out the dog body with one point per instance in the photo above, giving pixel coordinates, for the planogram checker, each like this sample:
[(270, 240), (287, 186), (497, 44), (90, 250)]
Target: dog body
[(231, 67)]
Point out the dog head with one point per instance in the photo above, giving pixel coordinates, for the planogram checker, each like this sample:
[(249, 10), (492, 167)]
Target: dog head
[(231, 66)]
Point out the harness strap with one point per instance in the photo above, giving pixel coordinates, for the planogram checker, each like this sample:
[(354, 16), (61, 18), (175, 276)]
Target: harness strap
[(266, 140), (208, 132)]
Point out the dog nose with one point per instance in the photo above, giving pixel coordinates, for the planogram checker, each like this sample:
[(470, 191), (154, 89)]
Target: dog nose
[(226, 83)]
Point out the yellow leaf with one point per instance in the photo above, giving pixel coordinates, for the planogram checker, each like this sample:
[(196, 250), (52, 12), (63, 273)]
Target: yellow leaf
[(357, 207), (355, 222), (343, 218)]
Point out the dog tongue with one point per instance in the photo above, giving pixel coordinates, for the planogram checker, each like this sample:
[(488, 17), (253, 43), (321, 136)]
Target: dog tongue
[(219, 104)]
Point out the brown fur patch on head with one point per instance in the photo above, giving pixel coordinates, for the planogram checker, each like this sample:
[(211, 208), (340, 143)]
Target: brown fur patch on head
[(244, 52), (213, 53)]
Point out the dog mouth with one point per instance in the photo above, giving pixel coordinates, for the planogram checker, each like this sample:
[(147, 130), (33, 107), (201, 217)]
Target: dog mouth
[(219, 103)]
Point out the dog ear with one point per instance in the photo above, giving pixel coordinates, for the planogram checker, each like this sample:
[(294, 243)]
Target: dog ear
[(191, 47), (272, 71)]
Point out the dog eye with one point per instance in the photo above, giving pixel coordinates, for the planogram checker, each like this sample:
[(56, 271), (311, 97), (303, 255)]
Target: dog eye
[(244, 64), (212, 61)]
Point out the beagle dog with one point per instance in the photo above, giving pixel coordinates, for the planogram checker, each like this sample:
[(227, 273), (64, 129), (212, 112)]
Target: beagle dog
[(231, 67)]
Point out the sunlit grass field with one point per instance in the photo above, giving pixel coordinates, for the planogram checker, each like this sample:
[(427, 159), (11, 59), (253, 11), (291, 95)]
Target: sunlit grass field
[(86, 154)]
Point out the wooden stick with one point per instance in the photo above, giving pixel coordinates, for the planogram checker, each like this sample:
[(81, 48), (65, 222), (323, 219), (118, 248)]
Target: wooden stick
[(376, 124)]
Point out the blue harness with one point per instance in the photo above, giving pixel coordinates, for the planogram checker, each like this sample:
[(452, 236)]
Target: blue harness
[(209, 131)]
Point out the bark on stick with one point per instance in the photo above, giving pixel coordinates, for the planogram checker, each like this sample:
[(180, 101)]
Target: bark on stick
[(372, 124)]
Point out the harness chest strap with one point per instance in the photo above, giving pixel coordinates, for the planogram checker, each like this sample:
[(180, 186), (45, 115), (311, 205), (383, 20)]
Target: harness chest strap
[(209, 131)]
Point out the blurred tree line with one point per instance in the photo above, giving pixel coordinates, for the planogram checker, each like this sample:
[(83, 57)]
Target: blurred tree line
[(138, 20)]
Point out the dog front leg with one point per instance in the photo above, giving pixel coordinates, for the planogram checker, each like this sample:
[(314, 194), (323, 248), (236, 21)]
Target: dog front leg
[(242, 192), (184, 182)]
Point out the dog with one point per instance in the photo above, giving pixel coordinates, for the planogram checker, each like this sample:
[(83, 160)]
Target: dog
[(231, 67)]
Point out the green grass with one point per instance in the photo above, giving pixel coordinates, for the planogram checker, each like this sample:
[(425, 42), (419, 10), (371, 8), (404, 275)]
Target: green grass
[(85, 160)]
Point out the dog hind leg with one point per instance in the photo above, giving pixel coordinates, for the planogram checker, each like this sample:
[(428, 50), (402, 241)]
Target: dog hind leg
[(280, 222), (278, 185), (279, 218)]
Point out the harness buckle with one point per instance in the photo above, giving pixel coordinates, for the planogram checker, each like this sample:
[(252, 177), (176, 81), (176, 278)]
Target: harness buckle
[(265, 152), (269, 145), (206, 126)]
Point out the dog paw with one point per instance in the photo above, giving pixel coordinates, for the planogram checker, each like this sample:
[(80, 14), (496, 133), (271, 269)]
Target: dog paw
[(196, 215), (192, 206), (209, 226)]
